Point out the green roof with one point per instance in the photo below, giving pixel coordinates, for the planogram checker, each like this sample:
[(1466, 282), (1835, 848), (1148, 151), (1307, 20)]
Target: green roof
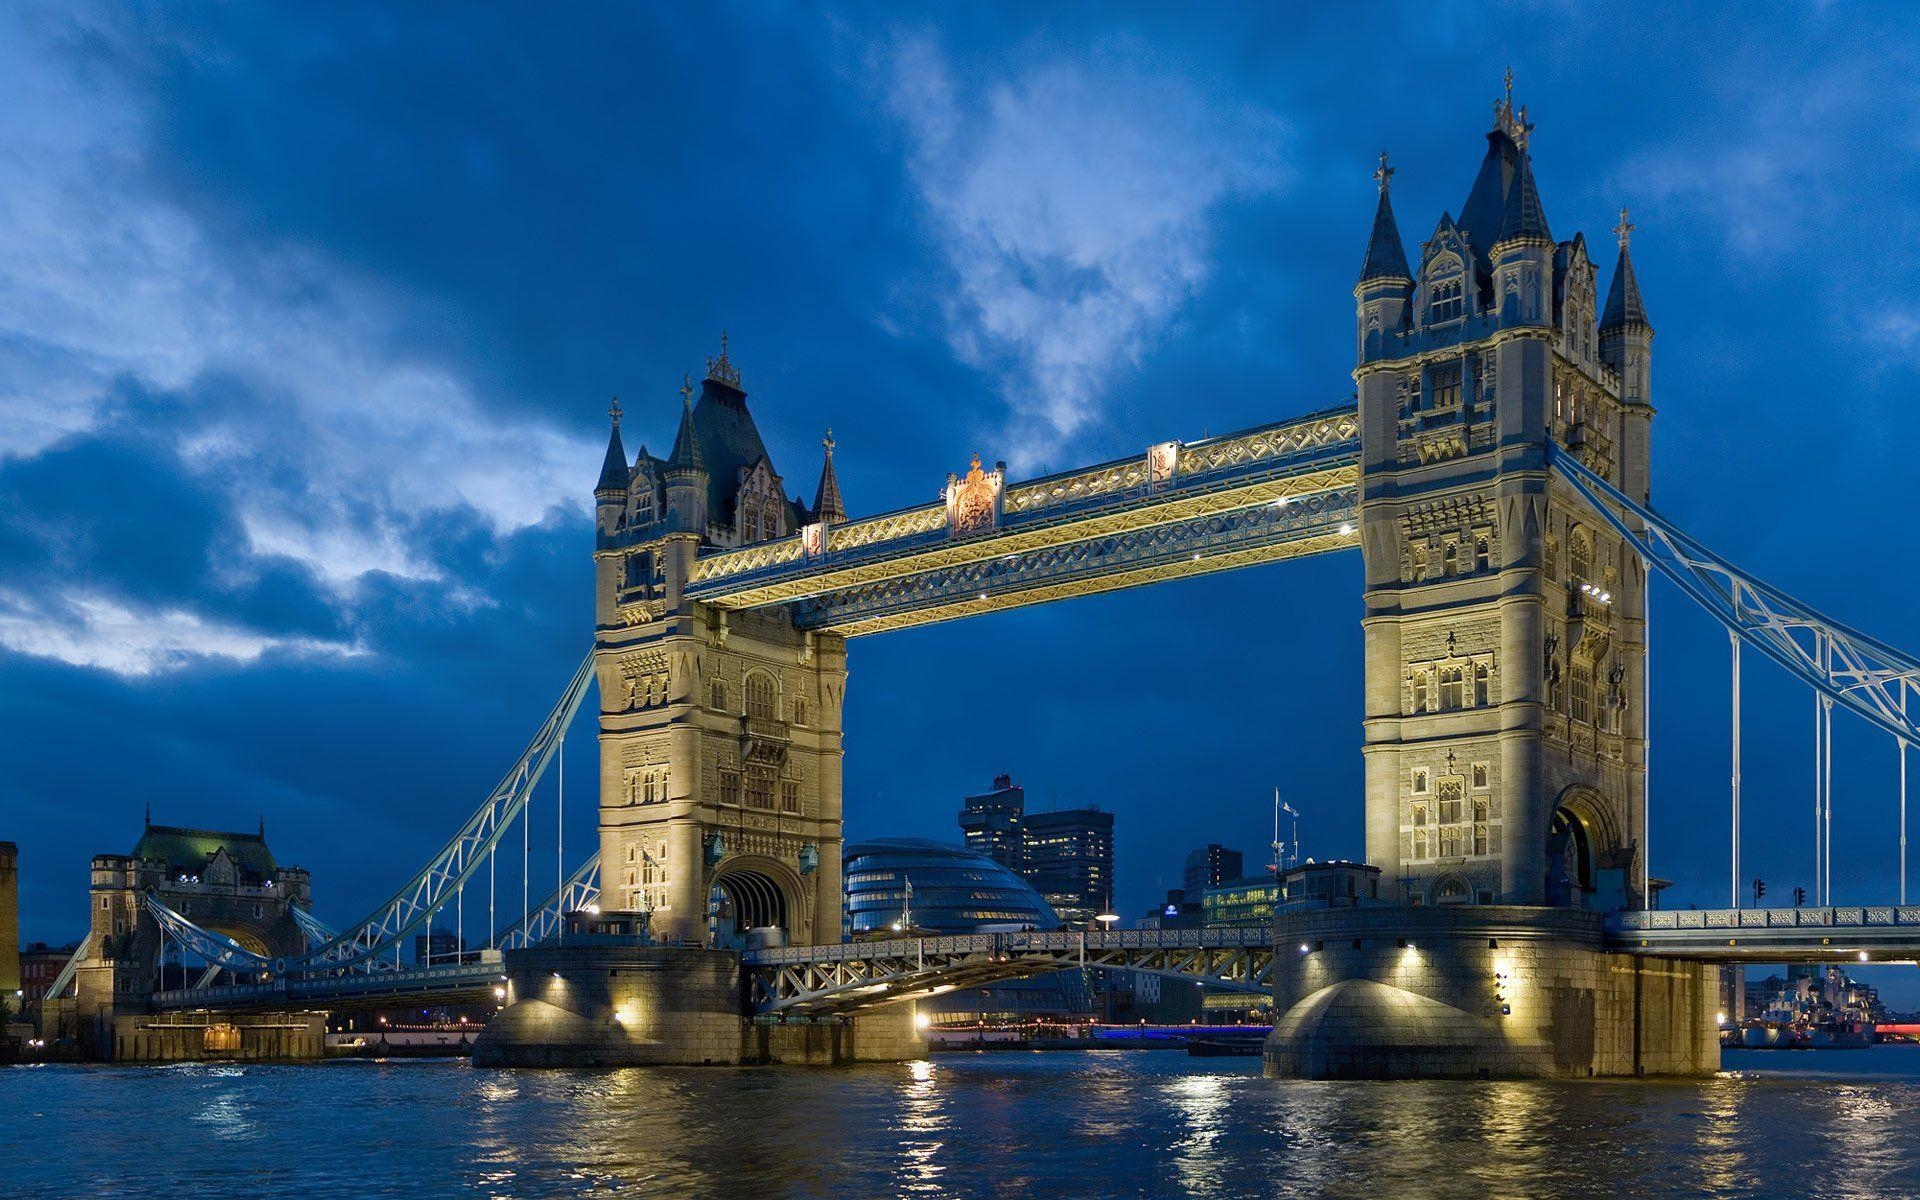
[(189, 850)]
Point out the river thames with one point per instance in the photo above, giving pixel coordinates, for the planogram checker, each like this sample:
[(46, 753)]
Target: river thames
[(1071, 1124)]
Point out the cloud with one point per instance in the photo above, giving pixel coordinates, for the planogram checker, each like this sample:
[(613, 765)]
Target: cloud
[(274, 375), (1074, 205), (91, 631)]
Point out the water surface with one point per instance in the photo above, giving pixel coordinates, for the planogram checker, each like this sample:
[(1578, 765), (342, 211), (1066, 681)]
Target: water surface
[(1071, 1124)]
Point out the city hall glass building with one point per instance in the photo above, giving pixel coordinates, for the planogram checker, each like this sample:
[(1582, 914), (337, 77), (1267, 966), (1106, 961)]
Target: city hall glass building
[(956, 891)]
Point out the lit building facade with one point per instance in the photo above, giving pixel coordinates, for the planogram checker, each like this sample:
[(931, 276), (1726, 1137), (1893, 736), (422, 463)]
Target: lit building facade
[(991, 822), (1210, 866)]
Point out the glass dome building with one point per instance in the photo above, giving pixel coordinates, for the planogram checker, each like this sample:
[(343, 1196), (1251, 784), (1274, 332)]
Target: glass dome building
[(956, 891)]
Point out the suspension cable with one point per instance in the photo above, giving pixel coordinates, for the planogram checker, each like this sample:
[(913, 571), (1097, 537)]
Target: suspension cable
[(1734, 638), (1903, 803), (1818, 893), (560, 833)]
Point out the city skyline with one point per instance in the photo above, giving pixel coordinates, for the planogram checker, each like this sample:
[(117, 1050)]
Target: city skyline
[(267, 630)]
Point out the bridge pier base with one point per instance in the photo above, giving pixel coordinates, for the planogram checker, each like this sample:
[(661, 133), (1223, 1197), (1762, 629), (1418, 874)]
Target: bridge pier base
[(1479, 992), (603, 1001), (211, 1037)]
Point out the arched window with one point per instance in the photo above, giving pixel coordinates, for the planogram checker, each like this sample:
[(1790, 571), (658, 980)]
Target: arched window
[(761, 702), (1419, 562), (1580, 555), (1420, 696), (1453, 687), (1450, 558), (1482, 685), (1448, 300), (1482, 552)]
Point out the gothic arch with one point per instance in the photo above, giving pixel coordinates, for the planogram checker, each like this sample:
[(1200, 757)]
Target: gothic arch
[(1450, 888), (762, 695), (764, 891)]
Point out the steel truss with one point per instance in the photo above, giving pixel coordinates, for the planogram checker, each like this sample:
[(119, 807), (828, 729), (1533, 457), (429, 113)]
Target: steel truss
[(821, 980), (581, 890), (435, 884), (1288, 526), (217, 950), (1858, 672), (64, 979)]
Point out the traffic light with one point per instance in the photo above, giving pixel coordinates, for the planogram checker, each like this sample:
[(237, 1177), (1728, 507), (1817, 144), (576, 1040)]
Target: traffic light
[(1759, 889), (1799, 896)]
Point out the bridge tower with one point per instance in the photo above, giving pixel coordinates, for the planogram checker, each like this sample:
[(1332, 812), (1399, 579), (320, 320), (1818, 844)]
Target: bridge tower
[(720, 743), (1504, 625)]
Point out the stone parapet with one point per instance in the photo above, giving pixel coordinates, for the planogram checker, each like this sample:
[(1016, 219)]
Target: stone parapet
[(1479, 992)]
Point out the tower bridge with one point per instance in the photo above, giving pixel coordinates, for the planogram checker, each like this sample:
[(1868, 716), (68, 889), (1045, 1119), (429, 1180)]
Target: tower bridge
[(1494, 471)]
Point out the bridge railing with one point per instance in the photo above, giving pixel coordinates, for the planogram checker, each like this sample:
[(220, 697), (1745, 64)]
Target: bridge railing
[(1849, 917), (1013, 942)]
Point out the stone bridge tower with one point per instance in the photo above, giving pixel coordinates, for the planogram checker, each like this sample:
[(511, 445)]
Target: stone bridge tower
[(1505, 625), (719, 732)]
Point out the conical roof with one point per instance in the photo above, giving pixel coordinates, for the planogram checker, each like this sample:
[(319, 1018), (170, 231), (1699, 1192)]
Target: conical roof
[(1524, 218), (686, 458), (614, 473), (1386, 256), (827, 505), (1624, 306)]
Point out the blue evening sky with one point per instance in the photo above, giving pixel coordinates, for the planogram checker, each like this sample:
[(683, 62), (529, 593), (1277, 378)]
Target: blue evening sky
[(309, 317)]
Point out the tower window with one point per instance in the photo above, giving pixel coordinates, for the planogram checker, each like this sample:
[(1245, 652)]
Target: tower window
[(1580, 693), (1422, 781), (1482, 552), (1449, 303), (1445, 383), (1450, 558), (1580, 555), (1453, 688), (1420, 692), (760, 698), (1482, 685)]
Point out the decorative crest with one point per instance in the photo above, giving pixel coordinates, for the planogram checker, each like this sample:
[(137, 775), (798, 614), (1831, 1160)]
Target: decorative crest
[(722, 370), (1624, 230), (686, 390), (1383, 173), (828, 441)]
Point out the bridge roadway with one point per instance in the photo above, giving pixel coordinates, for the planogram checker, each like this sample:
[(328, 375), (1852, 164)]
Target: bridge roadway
[(850, 976)]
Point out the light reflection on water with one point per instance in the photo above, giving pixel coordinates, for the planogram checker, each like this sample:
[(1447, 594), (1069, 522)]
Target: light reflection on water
[(1103, 1123)]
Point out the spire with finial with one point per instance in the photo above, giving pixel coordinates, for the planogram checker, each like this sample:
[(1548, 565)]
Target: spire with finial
[(1386, 256), (721, 369), (614, 472), (686, 458), (1509, 120), (1524, 218), (1624, 306), (827, 505)]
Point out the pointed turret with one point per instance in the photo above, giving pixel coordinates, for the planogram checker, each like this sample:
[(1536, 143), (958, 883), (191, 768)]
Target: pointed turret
[(1626, 336), (1624, 306), (614, 472), (686, 472), (827, 505), (1386, 256), (1524, 218), (685, 459), (1386, 285)]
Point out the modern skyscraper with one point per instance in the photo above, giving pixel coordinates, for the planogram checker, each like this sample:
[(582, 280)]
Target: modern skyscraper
[(1067, 854), (991, 821), (1068, 857), (1210, 866)]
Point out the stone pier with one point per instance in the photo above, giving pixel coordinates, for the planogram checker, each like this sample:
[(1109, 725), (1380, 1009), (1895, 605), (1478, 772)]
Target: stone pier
[(1382, 992), (601, 1001), (214, 1037)]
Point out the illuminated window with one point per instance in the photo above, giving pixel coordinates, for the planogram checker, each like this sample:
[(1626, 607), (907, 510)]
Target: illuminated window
[(1449, 301)]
